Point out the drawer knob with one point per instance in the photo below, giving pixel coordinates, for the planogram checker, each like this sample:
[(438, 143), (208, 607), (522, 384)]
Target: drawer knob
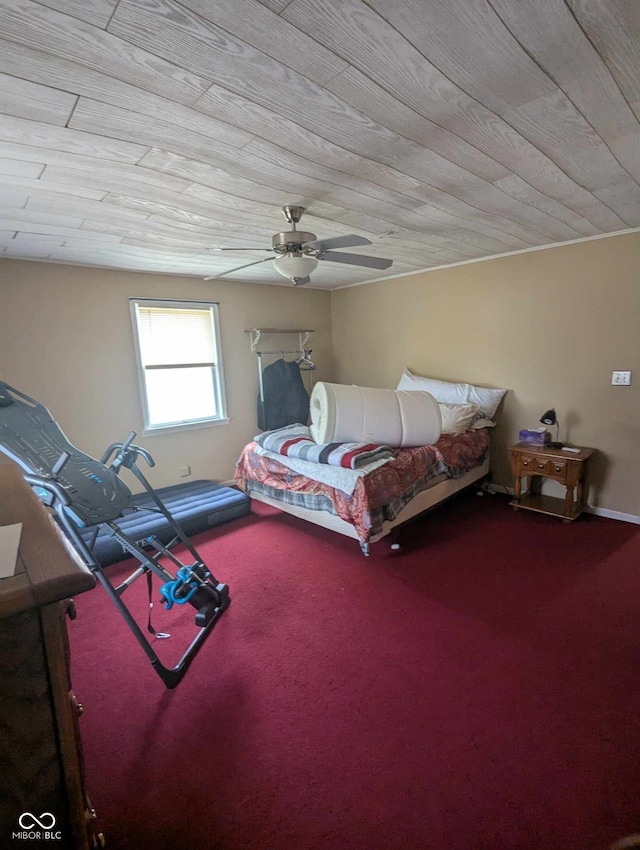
[(70, 610)]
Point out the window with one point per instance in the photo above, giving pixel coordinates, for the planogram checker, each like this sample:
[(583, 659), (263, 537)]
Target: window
[(179, 363)]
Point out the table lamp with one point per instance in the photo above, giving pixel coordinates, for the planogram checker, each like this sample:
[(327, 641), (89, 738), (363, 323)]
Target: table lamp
[(550, 418)]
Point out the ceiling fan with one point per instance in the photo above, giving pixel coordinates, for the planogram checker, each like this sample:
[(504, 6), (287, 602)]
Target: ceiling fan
[(296, 252)]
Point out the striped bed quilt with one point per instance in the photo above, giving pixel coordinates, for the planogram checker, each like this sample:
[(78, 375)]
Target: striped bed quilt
[(295, 441)]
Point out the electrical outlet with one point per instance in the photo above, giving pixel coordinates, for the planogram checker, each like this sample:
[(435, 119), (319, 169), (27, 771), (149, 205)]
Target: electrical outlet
[(185, 471), (620, 378)]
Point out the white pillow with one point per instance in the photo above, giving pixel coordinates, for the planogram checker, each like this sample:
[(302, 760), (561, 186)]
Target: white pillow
[(457, 418), (481, 422), (450, 393)]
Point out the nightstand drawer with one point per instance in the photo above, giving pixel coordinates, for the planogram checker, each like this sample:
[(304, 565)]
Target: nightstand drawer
[(540, 466), (557, 469), (532, 465), (527, 463)]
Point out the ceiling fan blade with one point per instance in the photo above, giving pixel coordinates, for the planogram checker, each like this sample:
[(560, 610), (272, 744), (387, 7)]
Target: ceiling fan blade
[(237, 268), (239, 249), (355, 260), (300, 281), (348, 241)]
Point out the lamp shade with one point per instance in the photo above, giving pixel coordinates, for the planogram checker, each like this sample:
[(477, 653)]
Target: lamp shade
[(549, 418), (292, 266)]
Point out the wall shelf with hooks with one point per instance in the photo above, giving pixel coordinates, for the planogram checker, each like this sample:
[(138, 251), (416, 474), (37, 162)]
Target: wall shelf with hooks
[(305, 362), (256, 334)]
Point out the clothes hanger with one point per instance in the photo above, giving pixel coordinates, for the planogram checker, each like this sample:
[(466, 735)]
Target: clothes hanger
[(305, 362)]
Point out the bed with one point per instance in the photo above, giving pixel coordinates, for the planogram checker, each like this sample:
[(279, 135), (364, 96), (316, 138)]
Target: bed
[(413, 481)]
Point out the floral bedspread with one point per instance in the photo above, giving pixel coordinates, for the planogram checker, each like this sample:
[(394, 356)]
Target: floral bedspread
[(380, 495)]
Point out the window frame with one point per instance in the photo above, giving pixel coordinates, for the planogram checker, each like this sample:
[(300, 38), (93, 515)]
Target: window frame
[(217, 369)]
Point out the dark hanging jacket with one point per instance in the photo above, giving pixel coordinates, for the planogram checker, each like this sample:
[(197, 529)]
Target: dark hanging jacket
[(286, 401)]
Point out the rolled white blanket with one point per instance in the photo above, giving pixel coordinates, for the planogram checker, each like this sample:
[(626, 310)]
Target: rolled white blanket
[(341, 413)]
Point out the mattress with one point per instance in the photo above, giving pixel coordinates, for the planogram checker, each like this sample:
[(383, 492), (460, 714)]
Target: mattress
[(380, 495), (398, 418), (195, 505)]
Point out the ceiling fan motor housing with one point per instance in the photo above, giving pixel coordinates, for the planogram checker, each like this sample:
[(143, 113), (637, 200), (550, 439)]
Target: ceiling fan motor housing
[(291, 240), (293, 214)]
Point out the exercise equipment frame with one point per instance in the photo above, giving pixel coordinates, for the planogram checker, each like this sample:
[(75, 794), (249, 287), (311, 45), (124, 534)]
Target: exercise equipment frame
[(82, 492)]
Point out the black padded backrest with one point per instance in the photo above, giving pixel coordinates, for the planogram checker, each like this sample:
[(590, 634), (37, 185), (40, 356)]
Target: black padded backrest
[(32, 438)]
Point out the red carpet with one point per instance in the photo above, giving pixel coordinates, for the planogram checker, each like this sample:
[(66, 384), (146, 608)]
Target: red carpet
[(479, 689)]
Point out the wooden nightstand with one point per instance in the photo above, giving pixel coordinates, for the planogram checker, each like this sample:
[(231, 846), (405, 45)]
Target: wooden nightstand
[(566, 468)]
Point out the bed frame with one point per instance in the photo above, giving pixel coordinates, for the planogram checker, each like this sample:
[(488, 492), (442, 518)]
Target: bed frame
[(440, 491)]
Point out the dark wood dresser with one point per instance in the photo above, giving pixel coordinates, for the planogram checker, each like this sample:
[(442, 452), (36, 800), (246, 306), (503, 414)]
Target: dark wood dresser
[(42, 787)]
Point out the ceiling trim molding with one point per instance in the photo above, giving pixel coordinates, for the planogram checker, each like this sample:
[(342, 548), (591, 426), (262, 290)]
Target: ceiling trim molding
[(335, 288), (492, 257)]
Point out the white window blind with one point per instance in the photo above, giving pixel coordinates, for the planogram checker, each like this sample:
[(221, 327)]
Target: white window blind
[(179, 363), (176, 336)]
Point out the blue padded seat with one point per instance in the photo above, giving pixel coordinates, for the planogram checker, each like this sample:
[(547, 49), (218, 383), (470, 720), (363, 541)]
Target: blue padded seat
[(195, 505)]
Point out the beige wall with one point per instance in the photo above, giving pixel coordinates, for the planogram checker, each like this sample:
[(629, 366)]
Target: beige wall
[(66, 340), (548, 325)]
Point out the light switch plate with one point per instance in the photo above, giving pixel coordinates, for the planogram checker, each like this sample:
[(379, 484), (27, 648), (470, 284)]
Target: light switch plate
[(620, 378)]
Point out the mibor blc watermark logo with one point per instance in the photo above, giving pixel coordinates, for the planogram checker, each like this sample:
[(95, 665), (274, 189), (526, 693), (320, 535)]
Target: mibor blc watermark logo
[(37, 827)]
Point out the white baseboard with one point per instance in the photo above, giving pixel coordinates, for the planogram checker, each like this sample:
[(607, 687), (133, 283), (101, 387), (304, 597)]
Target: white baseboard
[(605, 512), (614, 515)]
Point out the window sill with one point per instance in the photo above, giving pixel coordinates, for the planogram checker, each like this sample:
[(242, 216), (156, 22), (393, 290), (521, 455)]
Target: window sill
[(184, 426)]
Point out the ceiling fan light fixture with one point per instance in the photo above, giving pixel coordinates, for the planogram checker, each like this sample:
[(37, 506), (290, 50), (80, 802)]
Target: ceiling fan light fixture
[(298, 251), (293, 267)]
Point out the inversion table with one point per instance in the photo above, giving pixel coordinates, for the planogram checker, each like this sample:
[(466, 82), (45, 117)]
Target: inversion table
[(84, 493)]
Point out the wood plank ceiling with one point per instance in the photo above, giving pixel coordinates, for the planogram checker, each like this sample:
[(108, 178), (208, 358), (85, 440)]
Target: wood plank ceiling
[(139, 134)]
